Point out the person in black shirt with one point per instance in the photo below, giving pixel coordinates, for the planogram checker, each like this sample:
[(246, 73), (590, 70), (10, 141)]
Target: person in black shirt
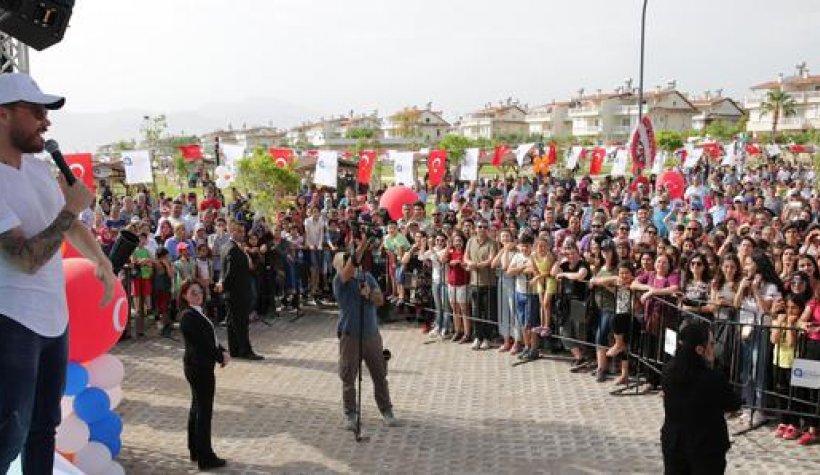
[(202, 352), (694, 437)]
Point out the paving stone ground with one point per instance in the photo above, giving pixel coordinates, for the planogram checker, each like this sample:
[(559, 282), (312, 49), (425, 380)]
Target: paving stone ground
[(462, 412)]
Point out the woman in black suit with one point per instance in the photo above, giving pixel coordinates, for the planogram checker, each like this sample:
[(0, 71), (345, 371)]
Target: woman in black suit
[(696, 396), (202, 352)]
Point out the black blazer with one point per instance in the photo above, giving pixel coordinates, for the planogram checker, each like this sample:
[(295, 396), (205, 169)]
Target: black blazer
[(201, 348), (694, 424), (237, 278)]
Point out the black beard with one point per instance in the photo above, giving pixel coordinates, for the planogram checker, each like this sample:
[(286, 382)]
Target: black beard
[(30, 143)]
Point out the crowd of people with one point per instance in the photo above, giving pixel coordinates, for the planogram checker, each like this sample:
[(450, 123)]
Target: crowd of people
[(511, 263)]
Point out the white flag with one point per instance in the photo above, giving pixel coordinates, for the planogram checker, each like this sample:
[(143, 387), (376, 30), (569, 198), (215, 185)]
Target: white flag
[(403, 168), (521, 152), (574, 156), (660, 159), (611, 153), (621, 159), (326, 168), (469, 166), (773, 149), (731, 153), (137, 164), (692, 157), (231, 154)]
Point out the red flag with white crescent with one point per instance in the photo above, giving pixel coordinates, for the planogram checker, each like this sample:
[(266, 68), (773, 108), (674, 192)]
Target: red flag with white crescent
[(712, 149), (499, 153), (643, 146), (753, 149), (367, 159), (81, 164), (437, 166), (596, 164), (191, 152), (281, 156)]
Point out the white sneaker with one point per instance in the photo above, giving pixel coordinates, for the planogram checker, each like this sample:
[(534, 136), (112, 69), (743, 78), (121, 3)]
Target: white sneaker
[(485, 345), (476, 344), (389, 419)]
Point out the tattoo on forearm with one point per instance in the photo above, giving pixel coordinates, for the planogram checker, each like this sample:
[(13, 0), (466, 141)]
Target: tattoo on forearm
[(29, 255)]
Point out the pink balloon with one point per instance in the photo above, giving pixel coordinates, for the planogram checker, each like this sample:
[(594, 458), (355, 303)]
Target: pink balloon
[(395, 197), (674, 184), (92, 330)]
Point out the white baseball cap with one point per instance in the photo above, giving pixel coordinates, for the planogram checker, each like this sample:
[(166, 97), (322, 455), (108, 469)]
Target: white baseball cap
[(20, 87)]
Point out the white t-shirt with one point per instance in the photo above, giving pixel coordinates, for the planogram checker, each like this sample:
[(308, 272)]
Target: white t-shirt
[(314, 232), (522, 281), (30, 199)]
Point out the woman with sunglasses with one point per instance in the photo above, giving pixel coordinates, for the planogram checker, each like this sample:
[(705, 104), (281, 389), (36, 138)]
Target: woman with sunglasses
[(696, 287), (202, 353)]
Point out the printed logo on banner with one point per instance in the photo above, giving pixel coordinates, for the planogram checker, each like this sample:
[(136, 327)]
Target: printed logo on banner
[(806, 373)]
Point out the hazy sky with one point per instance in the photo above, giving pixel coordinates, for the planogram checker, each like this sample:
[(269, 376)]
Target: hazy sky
[(322, 57)]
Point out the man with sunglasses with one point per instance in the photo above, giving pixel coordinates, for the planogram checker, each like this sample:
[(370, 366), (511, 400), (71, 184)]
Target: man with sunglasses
[(36, 215)]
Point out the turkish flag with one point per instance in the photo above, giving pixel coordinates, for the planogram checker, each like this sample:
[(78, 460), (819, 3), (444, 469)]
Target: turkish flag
[(499, 153), (281, 156), (437, 166), (713, 149), (596, 164), (753, 149), (83, 168), (552, 157), (191, 152), (367, 159), (798, 149)]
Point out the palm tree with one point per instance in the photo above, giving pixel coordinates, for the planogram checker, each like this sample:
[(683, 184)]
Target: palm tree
[(779, 103)]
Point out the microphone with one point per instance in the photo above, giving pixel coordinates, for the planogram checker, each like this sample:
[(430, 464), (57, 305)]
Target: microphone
[(53, 148)]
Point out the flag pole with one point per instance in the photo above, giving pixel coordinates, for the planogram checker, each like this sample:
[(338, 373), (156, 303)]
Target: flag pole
[(640, 74)]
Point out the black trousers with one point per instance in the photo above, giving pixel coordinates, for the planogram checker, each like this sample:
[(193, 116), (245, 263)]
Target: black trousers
[(484, 306), (202, 383), (239, 341), (703, 464)]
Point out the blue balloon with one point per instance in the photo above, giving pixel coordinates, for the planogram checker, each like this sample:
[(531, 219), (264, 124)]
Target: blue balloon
[(114, 446), (76, 379), (91, 405), (107, 429)]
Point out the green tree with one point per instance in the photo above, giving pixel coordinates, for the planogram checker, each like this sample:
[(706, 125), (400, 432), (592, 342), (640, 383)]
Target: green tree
[(779, 104), (272, 187), (360, 134), (669, 140), (181, 168), (153, 129), (123, 145)]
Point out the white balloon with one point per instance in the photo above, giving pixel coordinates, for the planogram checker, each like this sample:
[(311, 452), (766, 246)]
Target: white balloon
[(114, 469), (93, 459), (66, 406), (72, 435), (221, 183), (105, 371), (115, 396)]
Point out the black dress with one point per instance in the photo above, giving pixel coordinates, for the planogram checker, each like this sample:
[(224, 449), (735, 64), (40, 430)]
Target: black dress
[(202, 352)]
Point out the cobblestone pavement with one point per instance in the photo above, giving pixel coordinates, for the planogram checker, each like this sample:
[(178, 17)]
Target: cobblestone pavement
[(462, 412)]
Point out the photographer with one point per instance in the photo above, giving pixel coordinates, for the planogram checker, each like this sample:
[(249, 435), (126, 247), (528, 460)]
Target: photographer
[(358, 295)]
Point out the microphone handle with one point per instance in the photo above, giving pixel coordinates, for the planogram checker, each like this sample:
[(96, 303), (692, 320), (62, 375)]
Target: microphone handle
[(64, 169)]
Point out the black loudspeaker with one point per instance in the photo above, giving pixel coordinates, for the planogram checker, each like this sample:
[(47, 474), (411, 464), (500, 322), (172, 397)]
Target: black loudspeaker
[(37, 23)]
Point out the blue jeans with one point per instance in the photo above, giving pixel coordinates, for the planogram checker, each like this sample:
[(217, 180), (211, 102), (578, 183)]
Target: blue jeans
[(444, 317), (507, 323), (32, 380)]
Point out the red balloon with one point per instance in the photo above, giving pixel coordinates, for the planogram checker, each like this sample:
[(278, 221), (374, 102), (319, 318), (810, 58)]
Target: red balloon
[(395, 197), (92, 330), (674, 184), (70, 251)]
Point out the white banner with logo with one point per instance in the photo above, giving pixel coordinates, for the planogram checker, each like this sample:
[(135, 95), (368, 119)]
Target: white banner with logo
[(403, 168), (806, 373), (327, 166), (137, 164), (469, 165)]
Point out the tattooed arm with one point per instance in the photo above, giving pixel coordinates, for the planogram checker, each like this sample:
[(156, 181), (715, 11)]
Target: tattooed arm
[(29, 255)]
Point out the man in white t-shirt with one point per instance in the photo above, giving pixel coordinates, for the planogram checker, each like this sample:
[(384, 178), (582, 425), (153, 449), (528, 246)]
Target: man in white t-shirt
[(314, 238), (35, 217)]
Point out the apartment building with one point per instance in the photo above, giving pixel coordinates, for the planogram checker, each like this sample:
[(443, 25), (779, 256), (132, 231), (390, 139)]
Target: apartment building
[(549, 120), (492, 121), (803, 88), (714, 107), (415, 124), (611, 116)]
